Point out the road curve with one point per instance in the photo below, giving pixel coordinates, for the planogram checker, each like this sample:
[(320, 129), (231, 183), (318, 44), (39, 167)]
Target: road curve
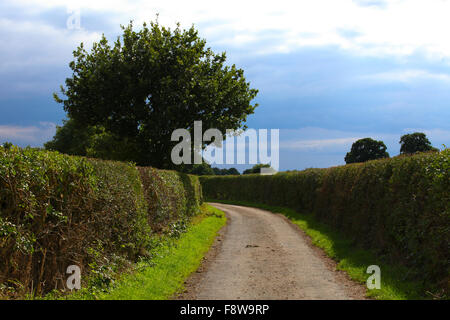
[(262, 255)]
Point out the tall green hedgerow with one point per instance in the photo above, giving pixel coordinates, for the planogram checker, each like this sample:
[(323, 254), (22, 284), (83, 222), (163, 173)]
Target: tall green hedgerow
[(58, 210), (170, 195), (399, 207)]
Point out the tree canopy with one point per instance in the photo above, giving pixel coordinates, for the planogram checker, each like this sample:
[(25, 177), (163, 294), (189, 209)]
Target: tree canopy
[(366, 149), (7, 145), (206, 169), (75, 138), (138, 90), (256, 168), (225, 172), (415, 142)]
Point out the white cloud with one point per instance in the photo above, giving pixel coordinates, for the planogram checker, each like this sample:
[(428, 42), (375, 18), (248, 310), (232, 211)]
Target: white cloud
[(319, 139), (318, 143), (396, 27), (35, 43), (27, 135), (406, 76), (310, 139)]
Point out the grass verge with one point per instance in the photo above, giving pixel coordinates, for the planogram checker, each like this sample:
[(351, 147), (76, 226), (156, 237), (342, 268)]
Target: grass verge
[(162, 276), (395, 284)]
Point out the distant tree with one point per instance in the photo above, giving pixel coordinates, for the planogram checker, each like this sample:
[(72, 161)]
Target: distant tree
[(7, 145), (232, 171), (415, 142), (256, 168), (366, 149), (201, 169), (225, 172), (148, 83)]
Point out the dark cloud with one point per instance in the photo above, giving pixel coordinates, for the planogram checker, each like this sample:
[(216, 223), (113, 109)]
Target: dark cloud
[(326, 87)]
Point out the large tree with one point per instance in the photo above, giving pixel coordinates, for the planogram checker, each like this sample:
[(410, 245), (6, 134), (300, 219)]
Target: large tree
[(415, 142), (150, 82), (366, 149)]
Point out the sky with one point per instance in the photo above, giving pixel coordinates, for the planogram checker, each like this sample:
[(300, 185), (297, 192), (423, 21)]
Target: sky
[(328, 72)]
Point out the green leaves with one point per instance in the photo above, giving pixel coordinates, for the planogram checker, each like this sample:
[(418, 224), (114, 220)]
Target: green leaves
[(399, 207), (150, 82), (415, 142), (256, 168), (366, 149), (57, 210)]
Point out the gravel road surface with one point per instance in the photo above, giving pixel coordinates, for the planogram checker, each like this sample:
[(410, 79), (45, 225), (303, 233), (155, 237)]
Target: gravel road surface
[(261, 255)]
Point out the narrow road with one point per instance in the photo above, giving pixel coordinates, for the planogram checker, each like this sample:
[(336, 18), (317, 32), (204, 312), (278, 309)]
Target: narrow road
[(261, 255)]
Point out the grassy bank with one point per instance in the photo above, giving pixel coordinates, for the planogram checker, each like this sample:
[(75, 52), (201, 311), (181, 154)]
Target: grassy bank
[(163, 275), (351, 259)]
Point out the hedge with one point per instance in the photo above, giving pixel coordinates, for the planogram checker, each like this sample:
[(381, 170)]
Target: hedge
[(398, 207), (170, 195), (57, 210)]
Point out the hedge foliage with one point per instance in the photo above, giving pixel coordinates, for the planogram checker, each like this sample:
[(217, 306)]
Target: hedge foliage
[(399, 207), (57, 210), (170, 195)]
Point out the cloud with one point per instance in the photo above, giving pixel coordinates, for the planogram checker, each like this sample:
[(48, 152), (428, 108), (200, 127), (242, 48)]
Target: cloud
[(36, 44), (406, 76), (318, 140), (367, 68), (327, 139), (367, 27), (36, 48), (322, 147), (27, 135), (317, 144), (382, 4)]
